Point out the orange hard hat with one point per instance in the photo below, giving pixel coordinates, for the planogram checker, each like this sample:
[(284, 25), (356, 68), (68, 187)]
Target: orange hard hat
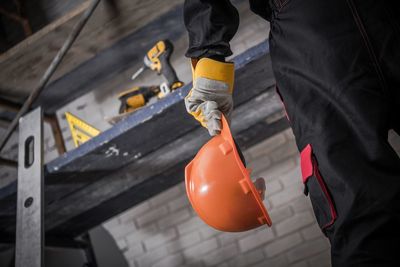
[(220, 189)]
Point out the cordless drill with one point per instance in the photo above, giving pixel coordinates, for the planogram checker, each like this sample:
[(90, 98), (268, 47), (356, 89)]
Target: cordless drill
[(156, 59), (136, 97)]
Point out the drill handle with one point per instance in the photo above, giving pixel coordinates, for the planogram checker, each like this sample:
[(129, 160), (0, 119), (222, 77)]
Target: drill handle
[(168, 72), (166, 68)]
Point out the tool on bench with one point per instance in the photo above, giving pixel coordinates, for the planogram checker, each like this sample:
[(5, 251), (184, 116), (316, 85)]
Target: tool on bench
[(156, 59), (136, 98), (81, 131)]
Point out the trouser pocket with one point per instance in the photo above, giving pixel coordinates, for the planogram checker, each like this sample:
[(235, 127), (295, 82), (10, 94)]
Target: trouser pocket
[(315, 187)]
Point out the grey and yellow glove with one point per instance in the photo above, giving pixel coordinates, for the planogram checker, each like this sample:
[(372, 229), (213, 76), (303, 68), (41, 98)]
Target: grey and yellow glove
[(211, 94)]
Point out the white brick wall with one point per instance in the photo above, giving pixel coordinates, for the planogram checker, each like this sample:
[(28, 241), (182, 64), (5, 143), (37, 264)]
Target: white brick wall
[(165, 231)]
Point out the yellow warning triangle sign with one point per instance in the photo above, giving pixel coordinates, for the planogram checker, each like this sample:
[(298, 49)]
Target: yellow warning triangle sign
[(80, 130)]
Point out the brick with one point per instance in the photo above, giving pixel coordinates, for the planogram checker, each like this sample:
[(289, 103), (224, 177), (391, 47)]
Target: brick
[(279, 261), (173, 218), (247, 259), (134, 212), (183, 242), (289, 134), (272, 186), (279, 214), (276, 170), (300, 264), (292, 177), (284, 152), (301, 204), (259, 164), (282, 244), (307, 249), (207, 232), (321, 260), (197, 263), (227, 238), (221, 255), (110, 224), (160, 239), (134, 251), (247, 156), (182, 188), (294, 223), (131, 262), (170, 261), (312, 232), (200, 249), (275, 117), (286, 196), (121, 230), (152, 257), (122, 245), (142, 234), (255, 240), (165, 196), (265, 147), (179, 203), (151, 216), (192, 224)]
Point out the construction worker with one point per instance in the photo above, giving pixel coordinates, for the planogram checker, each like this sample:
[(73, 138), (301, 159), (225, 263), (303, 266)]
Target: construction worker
[(337, 69)]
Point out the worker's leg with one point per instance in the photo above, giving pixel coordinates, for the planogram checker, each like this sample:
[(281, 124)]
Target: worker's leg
[(387, 43), (340, 106)]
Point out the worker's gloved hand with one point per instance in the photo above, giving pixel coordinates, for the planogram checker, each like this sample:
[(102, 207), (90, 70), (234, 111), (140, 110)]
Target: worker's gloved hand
[(211, 94)]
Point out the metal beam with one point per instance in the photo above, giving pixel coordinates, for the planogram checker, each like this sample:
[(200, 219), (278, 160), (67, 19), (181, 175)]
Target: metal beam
[(30, 197), (50, 70)]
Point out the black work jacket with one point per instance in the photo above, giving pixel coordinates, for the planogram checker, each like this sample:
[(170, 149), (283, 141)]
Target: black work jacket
[(211, 25)]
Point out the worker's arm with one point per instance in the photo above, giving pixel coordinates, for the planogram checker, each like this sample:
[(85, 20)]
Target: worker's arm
[(211, 25)]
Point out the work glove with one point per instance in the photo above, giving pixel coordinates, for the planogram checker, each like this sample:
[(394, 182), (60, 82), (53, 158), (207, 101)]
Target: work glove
[(211, 94)]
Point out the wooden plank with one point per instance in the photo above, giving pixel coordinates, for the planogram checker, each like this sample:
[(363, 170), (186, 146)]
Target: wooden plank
[(137, 182), (23, 66), (144, 152)]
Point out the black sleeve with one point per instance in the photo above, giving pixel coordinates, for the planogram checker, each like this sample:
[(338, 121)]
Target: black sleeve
[(211, 25)]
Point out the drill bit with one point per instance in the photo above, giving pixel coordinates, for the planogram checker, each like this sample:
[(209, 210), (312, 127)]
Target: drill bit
[(137, 73)]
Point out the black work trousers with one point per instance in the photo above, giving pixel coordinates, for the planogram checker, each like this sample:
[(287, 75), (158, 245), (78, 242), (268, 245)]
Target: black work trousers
[(337, 67)]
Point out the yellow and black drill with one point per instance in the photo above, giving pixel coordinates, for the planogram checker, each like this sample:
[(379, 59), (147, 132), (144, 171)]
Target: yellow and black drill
[(156, 59)]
